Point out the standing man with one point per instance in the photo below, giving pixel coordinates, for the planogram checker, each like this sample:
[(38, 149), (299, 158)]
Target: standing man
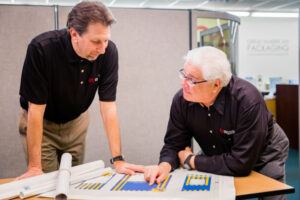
[(62, 71), (228, 118)]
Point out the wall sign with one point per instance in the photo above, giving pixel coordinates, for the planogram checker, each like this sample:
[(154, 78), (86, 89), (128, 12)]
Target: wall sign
[(267, 47)]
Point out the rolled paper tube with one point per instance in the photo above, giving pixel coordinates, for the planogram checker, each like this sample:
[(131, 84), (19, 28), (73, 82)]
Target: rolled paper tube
[(63, 179), (31, 186)]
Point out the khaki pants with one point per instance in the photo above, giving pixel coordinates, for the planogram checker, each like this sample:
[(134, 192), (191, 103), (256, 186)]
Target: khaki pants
[(58, 139)]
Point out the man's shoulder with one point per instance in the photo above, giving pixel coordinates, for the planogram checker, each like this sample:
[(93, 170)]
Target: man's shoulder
[(49, 37), (178, 95), (111, 47), (243, 90)]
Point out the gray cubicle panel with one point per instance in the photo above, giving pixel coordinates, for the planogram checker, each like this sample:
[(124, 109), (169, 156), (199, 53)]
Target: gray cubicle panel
[(19, 24), (151, 46)]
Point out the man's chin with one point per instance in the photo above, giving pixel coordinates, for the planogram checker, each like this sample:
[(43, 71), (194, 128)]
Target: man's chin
[(92, 58), (186, 97)]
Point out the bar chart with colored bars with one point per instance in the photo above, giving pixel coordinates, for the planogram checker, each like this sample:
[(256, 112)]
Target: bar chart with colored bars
[(126, 185), (95, 184), (196, 183)]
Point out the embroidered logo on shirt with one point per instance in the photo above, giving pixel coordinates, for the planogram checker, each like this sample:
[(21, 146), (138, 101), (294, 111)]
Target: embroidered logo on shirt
[(93, 80), (230, 132)]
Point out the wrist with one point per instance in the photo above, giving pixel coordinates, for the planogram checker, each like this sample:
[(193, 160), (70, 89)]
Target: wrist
[(187, 162), (118, 162), (117, 159), (35, 166), (166, 165), (192, 162)]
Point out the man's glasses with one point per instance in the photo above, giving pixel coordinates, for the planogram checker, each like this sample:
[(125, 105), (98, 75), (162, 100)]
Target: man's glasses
[(189, 81)]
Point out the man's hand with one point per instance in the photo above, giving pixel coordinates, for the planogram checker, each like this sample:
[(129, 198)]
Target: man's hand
[(127, 168), (34, 171), (182, 155), (157, 173)]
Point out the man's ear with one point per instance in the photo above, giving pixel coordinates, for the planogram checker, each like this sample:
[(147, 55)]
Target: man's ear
[(217, 84), (73, 33)]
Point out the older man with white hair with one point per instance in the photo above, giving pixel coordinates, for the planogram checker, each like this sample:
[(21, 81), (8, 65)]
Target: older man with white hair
[(228, 118)]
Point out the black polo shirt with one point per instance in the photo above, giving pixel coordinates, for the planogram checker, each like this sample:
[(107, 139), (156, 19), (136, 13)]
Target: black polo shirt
[(55, 75), (231, 133)]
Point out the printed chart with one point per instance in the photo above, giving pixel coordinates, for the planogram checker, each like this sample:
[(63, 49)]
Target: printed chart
[(180, 184), (95, 184), (130, 183), (194, 182)]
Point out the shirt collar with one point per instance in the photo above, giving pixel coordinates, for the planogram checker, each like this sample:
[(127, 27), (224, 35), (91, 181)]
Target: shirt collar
[(219, 103), (72, 55)]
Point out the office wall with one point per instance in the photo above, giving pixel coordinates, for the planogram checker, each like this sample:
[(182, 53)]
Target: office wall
[(19, 24), (268, 47), (151, 46)]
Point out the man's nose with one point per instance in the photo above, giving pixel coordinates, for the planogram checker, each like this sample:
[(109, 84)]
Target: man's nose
[(184, 83), (101, 49)]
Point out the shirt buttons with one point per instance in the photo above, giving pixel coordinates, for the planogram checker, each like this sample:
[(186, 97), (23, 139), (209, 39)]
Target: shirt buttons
[(209, 114), (229, 139), (213, 146), (210, 131), (82, 70), (81, 82)]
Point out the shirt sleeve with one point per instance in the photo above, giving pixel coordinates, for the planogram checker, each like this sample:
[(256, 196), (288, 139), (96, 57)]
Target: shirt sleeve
[(33, 86), (248, 142), (177, 137), (109, 74)]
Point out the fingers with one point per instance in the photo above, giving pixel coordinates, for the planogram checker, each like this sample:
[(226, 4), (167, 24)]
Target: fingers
[(19, 178), (136, 168), (152, 177), (129, 168), (124, 170), (161, 178), (128, 171), (150, 174), (29, 173), (146, 175)]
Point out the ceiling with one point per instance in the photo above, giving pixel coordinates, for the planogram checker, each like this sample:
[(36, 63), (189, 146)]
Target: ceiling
[(290, 6)]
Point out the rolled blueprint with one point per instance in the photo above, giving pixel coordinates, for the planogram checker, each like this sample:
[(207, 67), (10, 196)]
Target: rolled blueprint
[(32, 186), (63, 179), (74, 179)]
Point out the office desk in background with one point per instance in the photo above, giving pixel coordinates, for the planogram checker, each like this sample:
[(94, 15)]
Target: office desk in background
[(253, 186)]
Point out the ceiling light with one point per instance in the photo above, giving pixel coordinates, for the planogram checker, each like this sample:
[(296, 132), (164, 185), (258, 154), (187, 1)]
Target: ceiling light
[(274, 14), (112, 3), (239, 14), (201, 4), (173, 3)]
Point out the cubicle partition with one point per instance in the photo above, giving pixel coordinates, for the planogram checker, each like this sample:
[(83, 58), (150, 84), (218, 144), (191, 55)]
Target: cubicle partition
[(19, 24)]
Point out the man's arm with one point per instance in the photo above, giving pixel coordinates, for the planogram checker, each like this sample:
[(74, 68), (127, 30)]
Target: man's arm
[(108, 112), (34, 140)]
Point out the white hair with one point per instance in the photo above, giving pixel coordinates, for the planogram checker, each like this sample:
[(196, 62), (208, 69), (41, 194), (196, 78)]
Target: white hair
[(212, 62)]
